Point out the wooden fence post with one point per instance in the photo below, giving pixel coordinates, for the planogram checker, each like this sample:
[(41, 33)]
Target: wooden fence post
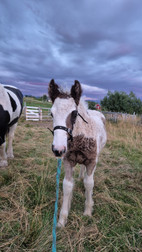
[(40, 114), (25, 111)]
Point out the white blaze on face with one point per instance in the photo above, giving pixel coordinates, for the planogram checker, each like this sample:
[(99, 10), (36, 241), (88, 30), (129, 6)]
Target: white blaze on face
[(60, 111)]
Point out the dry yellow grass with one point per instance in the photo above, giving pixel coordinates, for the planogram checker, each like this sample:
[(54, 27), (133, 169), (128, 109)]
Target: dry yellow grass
[(128, 133)]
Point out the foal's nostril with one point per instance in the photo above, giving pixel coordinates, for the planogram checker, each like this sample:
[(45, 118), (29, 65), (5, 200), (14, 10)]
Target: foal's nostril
[(58, 153)]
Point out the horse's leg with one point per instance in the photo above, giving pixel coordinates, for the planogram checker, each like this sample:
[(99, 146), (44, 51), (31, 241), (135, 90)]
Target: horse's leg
[(3, 156), (10, 140), (89, 184), (82, 171), (67, 194)]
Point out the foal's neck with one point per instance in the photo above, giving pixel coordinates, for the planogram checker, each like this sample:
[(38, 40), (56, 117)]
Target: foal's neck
[(80, 126)]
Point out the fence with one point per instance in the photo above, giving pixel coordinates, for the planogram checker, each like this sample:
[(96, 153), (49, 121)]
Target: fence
[(115, 116), (36, 113), (42, 114)]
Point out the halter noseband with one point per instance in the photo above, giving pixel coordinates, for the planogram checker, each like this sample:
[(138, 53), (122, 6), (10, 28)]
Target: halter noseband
[(68, 130)]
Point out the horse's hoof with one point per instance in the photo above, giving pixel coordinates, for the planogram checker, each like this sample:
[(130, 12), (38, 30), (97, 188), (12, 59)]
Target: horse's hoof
[(87, 213), (60, 225), (3, 163), (9, 156)]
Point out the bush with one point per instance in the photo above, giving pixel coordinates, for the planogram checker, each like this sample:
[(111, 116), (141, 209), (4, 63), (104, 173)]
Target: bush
[(122, 102)]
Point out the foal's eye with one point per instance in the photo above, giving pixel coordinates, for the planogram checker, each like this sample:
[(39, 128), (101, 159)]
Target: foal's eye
[(51, 114)]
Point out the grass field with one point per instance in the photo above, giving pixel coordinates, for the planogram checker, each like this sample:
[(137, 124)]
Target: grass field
[(31, 101), (28, 187)]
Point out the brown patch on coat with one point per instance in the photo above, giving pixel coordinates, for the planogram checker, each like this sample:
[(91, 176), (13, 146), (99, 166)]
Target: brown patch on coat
[(70, 121), (82, 150)]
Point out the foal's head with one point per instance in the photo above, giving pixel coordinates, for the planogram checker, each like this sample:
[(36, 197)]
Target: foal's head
[(64, 113)]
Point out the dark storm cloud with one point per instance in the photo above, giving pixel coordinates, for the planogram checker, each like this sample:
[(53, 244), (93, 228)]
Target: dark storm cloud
[(96, 42)]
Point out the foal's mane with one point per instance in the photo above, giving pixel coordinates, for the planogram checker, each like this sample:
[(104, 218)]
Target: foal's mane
[(63, 95)]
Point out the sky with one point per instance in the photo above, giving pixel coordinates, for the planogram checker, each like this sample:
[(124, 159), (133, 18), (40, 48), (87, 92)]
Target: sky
[(97, 42)]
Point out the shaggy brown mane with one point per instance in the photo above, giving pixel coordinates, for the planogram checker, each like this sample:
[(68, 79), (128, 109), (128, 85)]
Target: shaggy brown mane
[(63, 95)]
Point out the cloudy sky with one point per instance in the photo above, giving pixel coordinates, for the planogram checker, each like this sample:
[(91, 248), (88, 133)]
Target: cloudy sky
[(98, 42)]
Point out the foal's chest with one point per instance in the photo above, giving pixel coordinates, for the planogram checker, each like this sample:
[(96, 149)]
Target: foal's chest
[(81, 150)]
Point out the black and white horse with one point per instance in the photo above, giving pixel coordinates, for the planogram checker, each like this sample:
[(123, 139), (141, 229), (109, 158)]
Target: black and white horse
[(79, 136), (11, 104)]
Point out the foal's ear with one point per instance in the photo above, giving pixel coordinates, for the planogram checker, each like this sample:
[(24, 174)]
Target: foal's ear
[(76, 91), (53, 90)]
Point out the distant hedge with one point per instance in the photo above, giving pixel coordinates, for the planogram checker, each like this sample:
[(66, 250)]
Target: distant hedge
[(122, 102)]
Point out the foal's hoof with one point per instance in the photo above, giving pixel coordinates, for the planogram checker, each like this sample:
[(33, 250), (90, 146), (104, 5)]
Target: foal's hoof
[(60, 225), (3, 163), (10, 156), (62, 222), (87, 213)]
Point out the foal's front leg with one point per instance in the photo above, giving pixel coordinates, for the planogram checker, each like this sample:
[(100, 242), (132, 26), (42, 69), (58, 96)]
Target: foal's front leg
[(67, 194), (89, 184)]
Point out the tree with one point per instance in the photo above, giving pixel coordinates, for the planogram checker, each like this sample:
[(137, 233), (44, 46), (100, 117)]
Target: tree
[(91, 105), (44, 97), (122, 102)]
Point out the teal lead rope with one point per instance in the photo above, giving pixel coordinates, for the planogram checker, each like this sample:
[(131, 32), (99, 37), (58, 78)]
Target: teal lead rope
[(56, 206)]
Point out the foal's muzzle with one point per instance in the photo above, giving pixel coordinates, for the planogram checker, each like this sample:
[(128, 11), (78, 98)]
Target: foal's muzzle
[(60, 152)]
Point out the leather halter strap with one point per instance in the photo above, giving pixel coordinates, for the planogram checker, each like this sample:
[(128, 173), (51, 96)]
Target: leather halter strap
[(68, 130)]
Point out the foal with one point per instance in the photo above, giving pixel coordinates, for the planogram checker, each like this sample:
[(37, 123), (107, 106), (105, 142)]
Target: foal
[(79, 136)]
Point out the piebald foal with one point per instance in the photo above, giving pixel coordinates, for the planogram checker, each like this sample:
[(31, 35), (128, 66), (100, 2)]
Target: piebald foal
[(79, 136)]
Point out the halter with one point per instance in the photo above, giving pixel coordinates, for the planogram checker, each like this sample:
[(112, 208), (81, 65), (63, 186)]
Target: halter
[(68, 130)]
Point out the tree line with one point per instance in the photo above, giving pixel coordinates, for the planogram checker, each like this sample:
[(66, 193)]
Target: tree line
[(119, 102), (122, 102)]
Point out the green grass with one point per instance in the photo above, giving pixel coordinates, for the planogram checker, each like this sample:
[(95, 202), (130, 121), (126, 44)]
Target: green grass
[(30, 101), (28, 187)]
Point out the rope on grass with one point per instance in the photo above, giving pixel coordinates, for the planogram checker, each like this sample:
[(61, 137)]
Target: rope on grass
[(56, 205)]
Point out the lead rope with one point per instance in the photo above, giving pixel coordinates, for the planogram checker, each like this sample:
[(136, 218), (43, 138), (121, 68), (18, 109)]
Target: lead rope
[(56, 205)]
